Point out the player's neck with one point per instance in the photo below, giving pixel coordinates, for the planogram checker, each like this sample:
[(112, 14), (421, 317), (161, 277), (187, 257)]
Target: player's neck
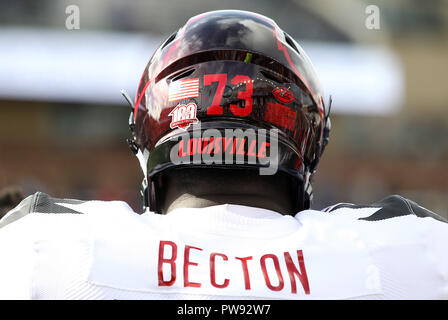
[(202, 201), (200, 188)]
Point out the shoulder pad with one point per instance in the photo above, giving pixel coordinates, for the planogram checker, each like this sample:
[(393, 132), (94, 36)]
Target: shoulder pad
[(38, 202), (391, 207)]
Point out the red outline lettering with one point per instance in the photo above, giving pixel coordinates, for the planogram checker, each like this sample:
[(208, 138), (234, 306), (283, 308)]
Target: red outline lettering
[(262, 151), (212, 271), (292, 271), (246, 95), (241, 147), (245, 271), (187, 263), (221, 78), (277, 269), (171, 261)]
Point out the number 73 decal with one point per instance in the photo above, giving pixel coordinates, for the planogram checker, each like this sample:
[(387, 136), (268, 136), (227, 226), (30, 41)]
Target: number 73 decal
[(276, 113), (246, 95)]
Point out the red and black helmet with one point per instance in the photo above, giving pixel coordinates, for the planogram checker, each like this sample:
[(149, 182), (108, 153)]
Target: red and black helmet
[(222, 70)]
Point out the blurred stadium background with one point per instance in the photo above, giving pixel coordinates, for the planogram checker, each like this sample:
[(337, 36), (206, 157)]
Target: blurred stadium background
[(63, 122)]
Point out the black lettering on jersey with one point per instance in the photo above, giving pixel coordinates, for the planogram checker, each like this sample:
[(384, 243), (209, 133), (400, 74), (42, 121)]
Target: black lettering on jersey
[(391, 207), (39, 202)]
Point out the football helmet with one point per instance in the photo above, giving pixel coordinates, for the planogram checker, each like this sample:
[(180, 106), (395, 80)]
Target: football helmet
[(229, 70)]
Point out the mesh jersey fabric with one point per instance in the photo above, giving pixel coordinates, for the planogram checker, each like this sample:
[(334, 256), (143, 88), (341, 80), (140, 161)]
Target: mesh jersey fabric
[(107, 251)]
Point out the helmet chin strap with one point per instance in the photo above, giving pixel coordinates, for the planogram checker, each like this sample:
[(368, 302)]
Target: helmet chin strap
[(308, 189), (143, 160), (142, 155), (327, 127)]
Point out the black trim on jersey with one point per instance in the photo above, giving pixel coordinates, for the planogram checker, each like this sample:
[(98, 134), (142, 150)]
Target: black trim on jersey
[(38, 202), (46, 204), (391, 207)]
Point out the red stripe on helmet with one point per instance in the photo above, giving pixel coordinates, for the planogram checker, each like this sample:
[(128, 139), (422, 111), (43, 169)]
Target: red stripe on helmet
[(180, 35), (140, 96), (282, 48)]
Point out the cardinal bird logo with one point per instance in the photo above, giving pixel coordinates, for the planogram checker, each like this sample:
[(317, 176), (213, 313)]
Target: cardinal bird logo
[(283, 95)]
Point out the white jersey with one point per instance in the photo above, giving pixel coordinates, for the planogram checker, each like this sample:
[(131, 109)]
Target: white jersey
[(71, 249)]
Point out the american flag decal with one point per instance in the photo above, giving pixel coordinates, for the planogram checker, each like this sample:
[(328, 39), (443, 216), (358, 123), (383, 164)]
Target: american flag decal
[(183, 89)]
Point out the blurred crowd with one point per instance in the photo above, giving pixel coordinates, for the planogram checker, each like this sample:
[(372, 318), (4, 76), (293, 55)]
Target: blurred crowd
[(10, 197)]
